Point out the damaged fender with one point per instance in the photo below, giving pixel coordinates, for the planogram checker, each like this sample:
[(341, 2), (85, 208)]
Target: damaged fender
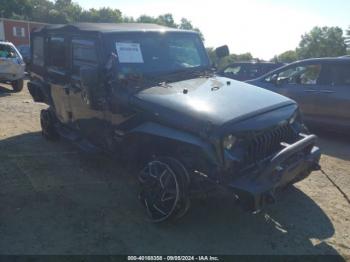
[(158, 130)]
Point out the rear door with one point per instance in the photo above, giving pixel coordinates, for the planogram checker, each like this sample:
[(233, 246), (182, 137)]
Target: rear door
[(333, 100), (57, 76)]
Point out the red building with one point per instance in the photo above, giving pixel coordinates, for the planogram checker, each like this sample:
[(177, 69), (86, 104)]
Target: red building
[(17, 31)]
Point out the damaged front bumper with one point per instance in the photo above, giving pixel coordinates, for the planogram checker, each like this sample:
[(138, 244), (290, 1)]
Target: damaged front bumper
[(293, 163)]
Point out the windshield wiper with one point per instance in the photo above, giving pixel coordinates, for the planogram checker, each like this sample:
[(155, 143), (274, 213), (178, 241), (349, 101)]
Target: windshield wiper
[(163, 80), (197, 72)]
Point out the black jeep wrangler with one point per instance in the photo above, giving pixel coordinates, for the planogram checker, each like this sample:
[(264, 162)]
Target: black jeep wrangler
[(147, 93)]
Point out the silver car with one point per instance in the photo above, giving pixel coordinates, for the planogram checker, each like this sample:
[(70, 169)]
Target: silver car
[(12, 66), (321, 87)]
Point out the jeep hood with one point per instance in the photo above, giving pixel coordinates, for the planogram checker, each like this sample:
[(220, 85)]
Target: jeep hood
[(197, 103)]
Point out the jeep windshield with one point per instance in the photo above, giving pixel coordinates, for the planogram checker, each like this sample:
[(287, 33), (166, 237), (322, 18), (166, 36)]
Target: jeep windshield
[(156, 54)]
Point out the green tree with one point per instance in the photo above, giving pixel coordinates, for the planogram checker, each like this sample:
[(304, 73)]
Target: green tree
[(40, 10), (102, 15), (128, 19), (225, 61), (347, 40), (322, 42), (287, 57), (19, 9), (67, 11), (166, 20), (187, 25), (146, 19)]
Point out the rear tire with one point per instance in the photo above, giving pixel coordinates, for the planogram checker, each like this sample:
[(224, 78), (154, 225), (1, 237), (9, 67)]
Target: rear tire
[(17, 85), (48, 121)]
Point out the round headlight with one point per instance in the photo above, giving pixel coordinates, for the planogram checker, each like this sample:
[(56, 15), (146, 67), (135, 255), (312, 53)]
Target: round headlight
[(229, 142)]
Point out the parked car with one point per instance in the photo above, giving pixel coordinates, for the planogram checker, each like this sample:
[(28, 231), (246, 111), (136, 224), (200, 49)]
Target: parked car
[(11, 66), (147, 93), (321, 86), (25, 52), (248, 70)]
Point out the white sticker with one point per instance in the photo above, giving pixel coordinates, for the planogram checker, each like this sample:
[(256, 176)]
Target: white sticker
[(129, 52)]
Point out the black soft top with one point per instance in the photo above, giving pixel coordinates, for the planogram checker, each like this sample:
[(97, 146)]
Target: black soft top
[(108, 28)]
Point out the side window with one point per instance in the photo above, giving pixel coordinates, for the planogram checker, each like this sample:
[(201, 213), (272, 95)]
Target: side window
[(83, 54), (57, 54), (309, 75), (233, 70), (38, 51), (302, 75), (18, 31), (7, 51), (253, 71), (340, 74)]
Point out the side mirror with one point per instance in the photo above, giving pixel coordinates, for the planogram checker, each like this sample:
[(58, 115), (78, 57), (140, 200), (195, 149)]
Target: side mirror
[(274, 79), (222, 51), (281, 81)]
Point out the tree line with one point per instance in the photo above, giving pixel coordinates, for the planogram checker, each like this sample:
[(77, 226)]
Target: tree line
[(319, 42), (67, 11)]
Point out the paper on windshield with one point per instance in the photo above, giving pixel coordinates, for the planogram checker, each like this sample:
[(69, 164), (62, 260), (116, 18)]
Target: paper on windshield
[(129, 52)]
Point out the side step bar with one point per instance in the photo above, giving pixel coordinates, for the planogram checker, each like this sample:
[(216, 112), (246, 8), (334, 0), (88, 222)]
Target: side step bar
[(83, 144)]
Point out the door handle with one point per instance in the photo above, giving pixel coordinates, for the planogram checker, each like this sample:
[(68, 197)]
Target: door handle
[(327, 91)]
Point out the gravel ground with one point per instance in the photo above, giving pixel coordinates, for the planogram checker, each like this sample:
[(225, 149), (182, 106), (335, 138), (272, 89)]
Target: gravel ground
[(55, 200)]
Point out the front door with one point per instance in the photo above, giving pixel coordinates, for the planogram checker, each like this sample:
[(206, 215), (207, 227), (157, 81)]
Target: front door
[(300, 83), (57, 77), (88, 120)]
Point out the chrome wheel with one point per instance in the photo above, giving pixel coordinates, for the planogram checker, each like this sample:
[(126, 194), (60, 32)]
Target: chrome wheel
[(160, 190)]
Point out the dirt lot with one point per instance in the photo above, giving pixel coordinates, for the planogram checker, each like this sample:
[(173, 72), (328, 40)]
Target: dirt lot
[(55, 200)]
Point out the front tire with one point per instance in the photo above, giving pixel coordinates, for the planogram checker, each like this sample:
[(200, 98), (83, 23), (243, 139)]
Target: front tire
[(164, 189), (48, 121), (17, 85)]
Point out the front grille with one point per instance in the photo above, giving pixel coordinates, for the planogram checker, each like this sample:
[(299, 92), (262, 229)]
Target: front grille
[(264, 144)]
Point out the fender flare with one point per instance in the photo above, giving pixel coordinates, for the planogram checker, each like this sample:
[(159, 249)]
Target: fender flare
[(155, 129)]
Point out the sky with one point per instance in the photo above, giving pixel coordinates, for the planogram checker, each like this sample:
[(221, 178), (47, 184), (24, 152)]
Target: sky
[(263, 27)]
